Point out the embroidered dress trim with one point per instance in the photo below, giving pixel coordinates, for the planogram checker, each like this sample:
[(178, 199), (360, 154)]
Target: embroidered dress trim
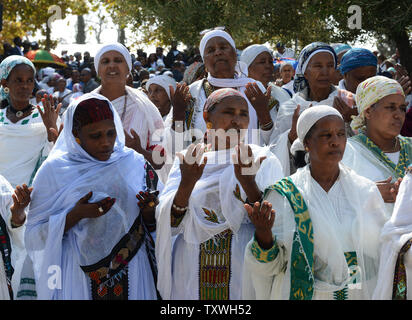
[(109, 276), (352, 261), (302, 269), (262, 255), (5, 248), (399, 291), (215, 260), (405, 154)]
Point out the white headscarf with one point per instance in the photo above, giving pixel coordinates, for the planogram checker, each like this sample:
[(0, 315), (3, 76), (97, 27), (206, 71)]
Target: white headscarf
[(113, 47), (250, 53), (164, 81), (307, 120), (213, 34)]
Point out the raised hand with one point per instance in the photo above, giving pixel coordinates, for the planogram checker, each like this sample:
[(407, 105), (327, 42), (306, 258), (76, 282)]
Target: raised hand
[(263, 218), (93, 209), (191, 166), (147, 203), (21, 199), (179, 98), (388, 190), (259, 101), (49, 116), (133, 141), (245, 165), (345, 110), (293, 135)]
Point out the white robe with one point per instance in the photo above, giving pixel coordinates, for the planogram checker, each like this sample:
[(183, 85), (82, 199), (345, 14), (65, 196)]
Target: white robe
[(347, 218), (178, 267), (18, 252), (396, 232)]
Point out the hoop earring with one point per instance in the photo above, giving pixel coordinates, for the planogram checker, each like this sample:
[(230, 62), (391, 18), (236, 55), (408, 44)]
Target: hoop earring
[(6, 90), (209, 125)]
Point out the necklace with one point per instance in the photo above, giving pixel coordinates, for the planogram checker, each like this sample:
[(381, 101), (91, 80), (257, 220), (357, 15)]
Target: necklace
[(20, 113), (394, 148), (124, 106)]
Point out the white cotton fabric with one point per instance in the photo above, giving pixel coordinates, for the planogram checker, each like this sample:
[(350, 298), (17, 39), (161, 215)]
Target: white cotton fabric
[(361, 160), (214, 190), (301, 70), (68, 174), (250, 53), (396, 232), (18, 252), (348, 217), (21, 147), (113, 47), (164, 81), (141, 115)]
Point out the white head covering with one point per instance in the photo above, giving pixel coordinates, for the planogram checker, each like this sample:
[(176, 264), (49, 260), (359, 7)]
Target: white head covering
[(250, 53), (307, 120), (164, 81), (213, 34), (113, 47)]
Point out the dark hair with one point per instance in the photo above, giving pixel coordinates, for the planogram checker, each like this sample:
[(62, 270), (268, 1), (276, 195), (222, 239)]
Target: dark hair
[(299, 156), (90, 111)]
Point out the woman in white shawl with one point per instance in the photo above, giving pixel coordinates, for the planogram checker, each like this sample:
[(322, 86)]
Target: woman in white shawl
[(12, 217), (321, 239), (140, 118), (202, 204), (395, 269), (259, 61), (313, 86), (88, 185), (158, 89), (378, 152), (218, 51)]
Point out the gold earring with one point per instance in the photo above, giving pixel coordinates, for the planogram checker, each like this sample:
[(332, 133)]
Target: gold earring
[(209, 125), (78, 141), (6, 90)]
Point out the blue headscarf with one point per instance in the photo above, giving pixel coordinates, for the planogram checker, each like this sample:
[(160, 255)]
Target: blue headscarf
[(7, 65), (340, 47), (355, 58), (300, 83)]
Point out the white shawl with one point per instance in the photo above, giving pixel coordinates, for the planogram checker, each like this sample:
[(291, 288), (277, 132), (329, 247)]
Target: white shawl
[(395, 233)]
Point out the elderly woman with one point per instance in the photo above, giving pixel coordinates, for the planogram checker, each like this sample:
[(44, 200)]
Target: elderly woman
[(259, 60), (395, 269), (287, 72), (218, 52), (140, 117), (317, 231), (26, 136), (313, 86), (202, 204), (62, 94), (89, 184), (378, 152), (158, 88)]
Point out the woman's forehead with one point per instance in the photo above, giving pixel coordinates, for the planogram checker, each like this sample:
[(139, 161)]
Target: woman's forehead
[(321, 57), (215, 41), (112, 53), (21, 69)]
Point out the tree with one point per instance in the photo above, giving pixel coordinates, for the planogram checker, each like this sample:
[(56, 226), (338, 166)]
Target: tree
[(22, 16), (80, 30)]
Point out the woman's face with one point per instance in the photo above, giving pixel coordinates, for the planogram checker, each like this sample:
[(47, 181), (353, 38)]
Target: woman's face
[(113, 68), (21, 84), (228, 118), (387, 116), (327, 141), (358, 75), (98, 139), (320, 71), (220, 58), (158, 95), (262, 68), (287, 73)]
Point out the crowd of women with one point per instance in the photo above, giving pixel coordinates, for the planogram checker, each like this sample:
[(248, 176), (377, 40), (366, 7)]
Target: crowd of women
[(224, 186)]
